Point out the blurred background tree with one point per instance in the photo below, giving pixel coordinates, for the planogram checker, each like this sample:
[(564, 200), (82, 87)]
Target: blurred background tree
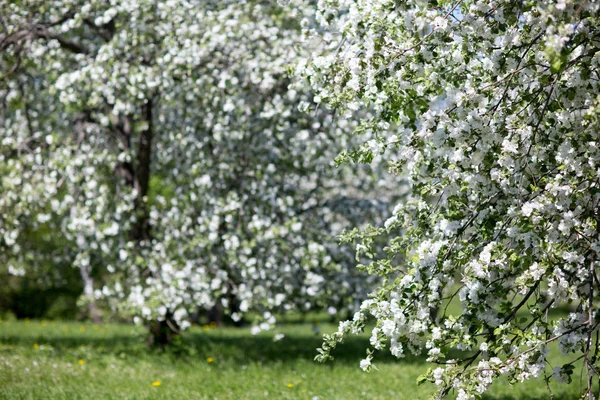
[(164, 150)]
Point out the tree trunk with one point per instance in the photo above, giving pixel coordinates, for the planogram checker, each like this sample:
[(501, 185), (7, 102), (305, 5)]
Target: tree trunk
[(215, 314), (88, 292), (141, 228), (162, 332)]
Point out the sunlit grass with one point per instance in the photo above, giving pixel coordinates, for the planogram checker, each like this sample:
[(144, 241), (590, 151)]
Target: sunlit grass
[(69, 360)]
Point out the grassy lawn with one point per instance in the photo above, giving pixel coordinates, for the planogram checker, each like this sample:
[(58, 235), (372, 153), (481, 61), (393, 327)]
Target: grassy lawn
[(69, 360)]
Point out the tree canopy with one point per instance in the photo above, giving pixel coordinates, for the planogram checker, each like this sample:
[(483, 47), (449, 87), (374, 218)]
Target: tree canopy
[(184, 151), (491, 110), (163, 143)]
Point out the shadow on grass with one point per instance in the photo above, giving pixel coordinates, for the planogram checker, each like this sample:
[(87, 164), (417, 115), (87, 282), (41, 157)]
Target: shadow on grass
[(227, 345), (292, 347)]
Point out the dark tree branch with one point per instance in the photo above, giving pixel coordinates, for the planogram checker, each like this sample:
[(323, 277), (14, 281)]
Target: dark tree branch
[(41, 30), (106, 31), (141, 229)]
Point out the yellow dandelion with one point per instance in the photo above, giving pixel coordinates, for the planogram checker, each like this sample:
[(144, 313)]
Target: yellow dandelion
[(43, 323), (210, 359), (26, 320), (206, 327), (35, 346), (156, 383), (82, 329), (290, 385), (213, 324), (81, 362)]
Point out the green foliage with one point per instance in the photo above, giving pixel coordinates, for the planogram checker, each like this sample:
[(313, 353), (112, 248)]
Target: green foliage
[(117, 365)]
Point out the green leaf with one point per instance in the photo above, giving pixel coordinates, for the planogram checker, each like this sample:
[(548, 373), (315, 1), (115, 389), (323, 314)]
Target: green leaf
[(421, 379)]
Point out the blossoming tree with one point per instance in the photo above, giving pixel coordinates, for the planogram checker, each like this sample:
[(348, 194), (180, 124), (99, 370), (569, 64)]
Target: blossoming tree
[(491, 109), (163, 141)]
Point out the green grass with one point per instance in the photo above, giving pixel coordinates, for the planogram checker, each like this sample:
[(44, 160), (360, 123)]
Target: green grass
[(40, 360)]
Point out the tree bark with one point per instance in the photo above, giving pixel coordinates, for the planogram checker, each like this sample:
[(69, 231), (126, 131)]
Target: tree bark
[(141, 228), (85, 271), (161, 332), (88, 292), (215, 314)]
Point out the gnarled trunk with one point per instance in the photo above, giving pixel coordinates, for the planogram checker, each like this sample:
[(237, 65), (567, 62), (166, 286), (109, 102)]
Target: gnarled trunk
[(163, 332)]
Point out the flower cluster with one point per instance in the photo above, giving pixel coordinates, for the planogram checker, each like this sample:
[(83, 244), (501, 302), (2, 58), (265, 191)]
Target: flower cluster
[(491, 111), (163, 143)]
